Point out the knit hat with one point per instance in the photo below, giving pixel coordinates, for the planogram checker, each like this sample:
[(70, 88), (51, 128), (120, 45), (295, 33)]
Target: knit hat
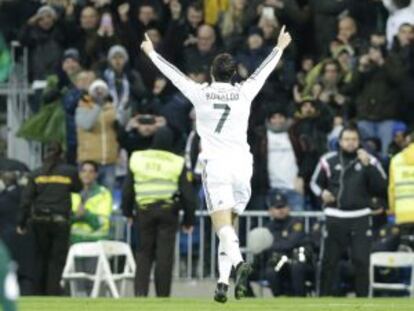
[(71, 53), (399, 127), (118, 49), (46, 10), (254, 30), (97, 84)]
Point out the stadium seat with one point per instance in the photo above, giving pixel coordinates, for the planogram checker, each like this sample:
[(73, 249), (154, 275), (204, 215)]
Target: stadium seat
[(391, 260)]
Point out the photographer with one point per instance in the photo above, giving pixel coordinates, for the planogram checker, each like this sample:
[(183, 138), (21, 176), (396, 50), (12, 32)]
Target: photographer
[(346, 181), (140, 130), (95, 119), (286, 268), (375, 85)]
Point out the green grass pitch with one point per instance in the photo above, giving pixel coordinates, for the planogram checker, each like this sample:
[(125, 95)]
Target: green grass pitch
[(177, 304)]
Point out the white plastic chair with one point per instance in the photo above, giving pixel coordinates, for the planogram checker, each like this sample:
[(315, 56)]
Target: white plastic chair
[(83, 250), (113, 249), (391, 260), (103, 251)]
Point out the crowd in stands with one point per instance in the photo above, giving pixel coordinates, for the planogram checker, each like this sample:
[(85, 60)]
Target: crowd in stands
[(351, 61)]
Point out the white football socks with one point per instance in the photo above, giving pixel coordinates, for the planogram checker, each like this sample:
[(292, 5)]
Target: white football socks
[(230, 244), (224, 265)]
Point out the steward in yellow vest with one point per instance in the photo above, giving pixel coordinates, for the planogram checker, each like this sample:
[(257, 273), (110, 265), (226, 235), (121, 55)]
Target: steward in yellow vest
[(91, 208), (401, 186), (154, 190)]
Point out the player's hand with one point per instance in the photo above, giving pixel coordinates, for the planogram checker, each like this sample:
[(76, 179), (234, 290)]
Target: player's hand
[(147, 45), (284, 39)]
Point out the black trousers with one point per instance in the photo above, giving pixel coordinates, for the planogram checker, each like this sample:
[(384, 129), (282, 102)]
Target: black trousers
[(290, 280), (157, 228), (344, 234), (52, 243)]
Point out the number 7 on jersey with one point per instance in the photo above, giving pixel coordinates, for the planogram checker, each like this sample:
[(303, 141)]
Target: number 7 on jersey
[(226, 111)]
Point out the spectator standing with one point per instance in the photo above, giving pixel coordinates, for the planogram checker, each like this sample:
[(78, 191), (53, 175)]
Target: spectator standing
[(95, 120), (45, 40), (92, 207), (346, 181), (46, 203), (308, 133), (126, 86), (155, 189), (375, 86), (275, 164), (70, 102)]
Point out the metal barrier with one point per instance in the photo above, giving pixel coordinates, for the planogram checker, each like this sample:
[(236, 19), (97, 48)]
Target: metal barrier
[(17, 90), (196, 254)]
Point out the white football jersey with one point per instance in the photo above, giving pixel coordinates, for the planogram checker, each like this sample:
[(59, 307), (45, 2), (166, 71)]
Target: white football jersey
[(222, 109)]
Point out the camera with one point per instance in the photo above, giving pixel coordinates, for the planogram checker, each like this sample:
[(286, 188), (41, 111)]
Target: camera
[(146, 119)]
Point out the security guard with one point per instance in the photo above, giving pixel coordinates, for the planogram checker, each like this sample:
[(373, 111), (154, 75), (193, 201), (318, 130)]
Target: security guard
[(401, 190), (346, 181), (91, 208), (285, 272), (46, 202), (154, 188), (9, 290)]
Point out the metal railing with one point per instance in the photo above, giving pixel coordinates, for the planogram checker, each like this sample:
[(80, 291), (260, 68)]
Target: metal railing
[(17, 90), (196, 254)]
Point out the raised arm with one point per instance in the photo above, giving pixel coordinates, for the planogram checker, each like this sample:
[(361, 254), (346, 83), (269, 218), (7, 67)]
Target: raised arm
[(181, 81), (255, 82)]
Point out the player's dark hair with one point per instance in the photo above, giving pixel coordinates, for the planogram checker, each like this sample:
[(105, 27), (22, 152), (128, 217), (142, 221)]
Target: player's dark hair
[(223, 68), (350, 128)]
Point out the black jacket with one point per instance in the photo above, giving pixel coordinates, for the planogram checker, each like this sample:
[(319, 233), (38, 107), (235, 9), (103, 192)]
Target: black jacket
[(49, 193), (288, 234), (352, 184)]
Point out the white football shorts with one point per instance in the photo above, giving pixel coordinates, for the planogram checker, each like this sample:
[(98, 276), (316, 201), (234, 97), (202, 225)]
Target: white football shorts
[(227, 184)]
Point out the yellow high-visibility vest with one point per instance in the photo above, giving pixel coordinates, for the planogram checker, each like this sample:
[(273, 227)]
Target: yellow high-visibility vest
[(100, 205), (401, 187), (156, 175)]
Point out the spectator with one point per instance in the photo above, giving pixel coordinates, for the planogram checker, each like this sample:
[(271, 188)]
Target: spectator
[(401, 12), (253, 56), (308, 133), (346, 181), (375, 87), (125, 86), (328, 88), (155, 189), (325, 15), (275, 164), (46, 203), (64, 79), (400, 190), (288, 233), (70, 102), (45, 40), (398, 142), (141, 129), (94, 37), (347, 34), (95, 120), (403, 49), (233, 24), (91, 207), (202, 54)]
